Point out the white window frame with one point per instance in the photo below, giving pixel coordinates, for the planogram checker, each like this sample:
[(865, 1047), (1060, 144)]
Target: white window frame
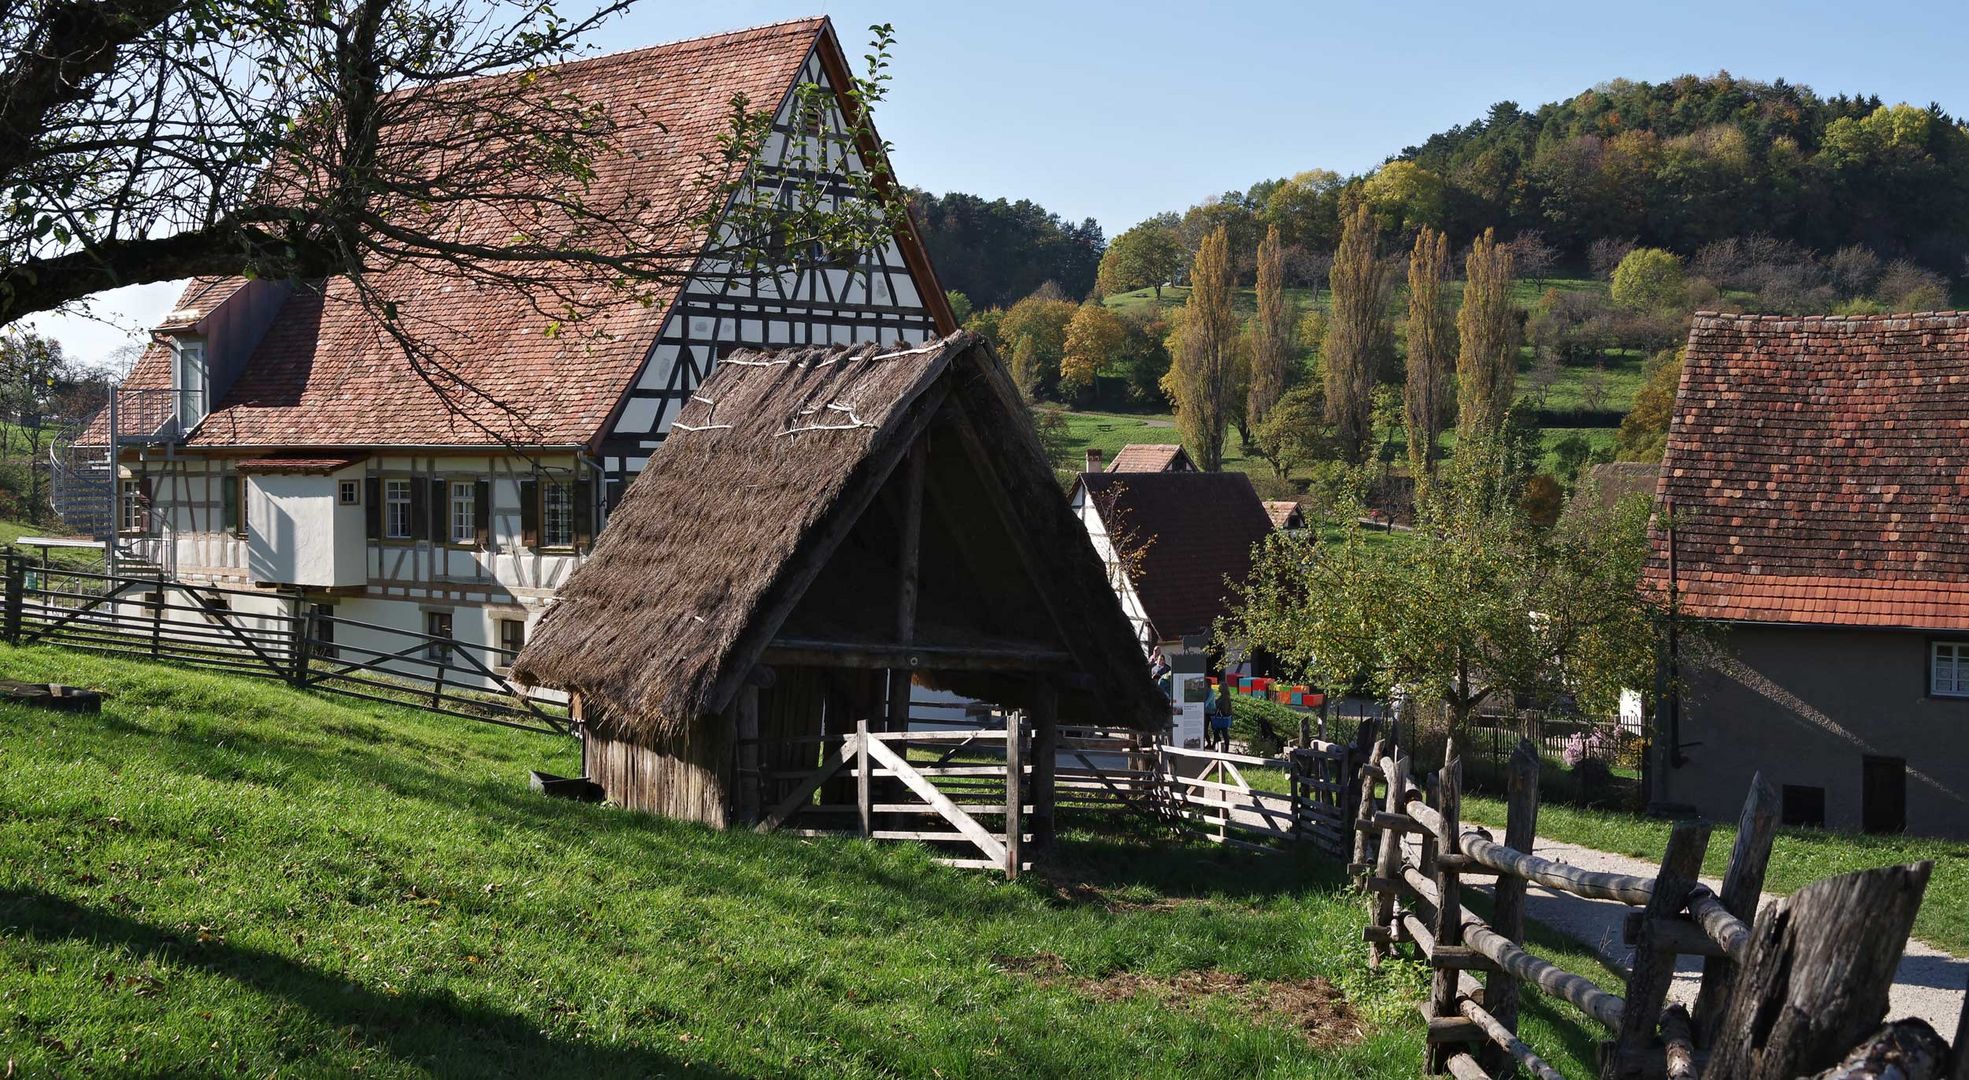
[(464, 503), (557, 533), (396, 510), (1948, 669), (132, 515), (500, 625)]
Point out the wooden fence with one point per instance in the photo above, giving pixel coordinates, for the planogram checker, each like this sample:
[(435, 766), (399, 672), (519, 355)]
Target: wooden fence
[(1785, 992), (268, 635)]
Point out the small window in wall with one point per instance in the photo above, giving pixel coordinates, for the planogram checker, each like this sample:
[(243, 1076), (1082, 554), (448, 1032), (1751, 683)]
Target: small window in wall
[(396, 510), (349, 493), (1803, 805), (232, 500), (437, 624), (1948, 669), (556, 513), (464, 512), (135, 518), (512, 638)]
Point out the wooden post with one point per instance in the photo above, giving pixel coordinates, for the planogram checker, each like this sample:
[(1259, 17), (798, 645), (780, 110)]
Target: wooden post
[(1743, 883), (1821, 964), (303, 644), (1449, 905), (864, 786), (1654, 968), (1363, 810), (1045, 758), (1508, 906), (1387, 870), (1961, 1070), (16, 586), (908, 573), (157, 619), (1014, 804), (746, 755)]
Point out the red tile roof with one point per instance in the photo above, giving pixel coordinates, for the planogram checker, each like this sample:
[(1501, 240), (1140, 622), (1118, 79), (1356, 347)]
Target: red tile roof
[(1285, 513), (326, 374), (1199, 528), (1818, 471), (1150, 457)]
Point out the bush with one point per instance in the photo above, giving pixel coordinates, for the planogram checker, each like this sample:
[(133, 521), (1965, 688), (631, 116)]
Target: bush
[(1265, 727)]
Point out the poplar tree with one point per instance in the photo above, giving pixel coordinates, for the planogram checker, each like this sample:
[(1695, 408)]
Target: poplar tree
[(1358, 333), (1487, 331), (1431, 351), (1202, 373), (1272, 332)]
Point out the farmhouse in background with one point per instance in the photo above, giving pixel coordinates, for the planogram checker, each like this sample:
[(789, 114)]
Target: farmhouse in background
[(824, 528), (1286, 514), (1174, 543), (274, 435), (1144, 457), (1817, 482)]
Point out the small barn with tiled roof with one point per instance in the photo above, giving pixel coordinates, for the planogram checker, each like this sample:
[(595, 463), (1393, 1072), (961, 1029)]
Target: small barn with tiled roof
[(1815, 493), (1176, 543), (1151, 457)]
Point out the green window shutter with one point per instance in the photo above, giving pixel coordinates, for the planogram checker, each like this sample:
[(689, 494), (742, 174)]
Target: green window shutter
[(530, 513), (583, 512), (482, 513), (229, 503), (440, 512), (372, 508)]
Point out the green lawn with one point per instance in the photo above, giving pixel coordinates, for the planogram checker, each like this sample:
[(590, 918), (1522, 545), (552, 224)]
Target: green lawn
[(1798, 858), (1619, 382), (220, 876), (1525, 293)]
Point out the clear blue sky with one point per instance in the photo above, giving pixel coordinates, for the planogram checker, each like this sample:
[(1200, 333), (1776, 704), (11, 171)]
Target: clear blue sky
[(1118, 110)]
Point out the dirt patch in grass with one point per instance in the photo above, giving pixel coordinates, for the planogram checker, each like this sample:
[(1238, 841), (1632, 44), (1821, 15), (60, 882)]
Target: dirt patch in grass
[(1082, 894), (1314, 1008)]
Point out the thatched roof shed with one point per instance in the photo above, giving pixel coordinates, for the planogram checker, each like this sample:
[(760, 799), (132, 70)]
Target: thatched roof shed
[(817, 516)]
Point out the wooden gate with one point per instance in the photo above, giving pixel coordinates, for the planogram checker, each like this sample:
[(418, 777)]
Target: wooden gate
[(928, 786)]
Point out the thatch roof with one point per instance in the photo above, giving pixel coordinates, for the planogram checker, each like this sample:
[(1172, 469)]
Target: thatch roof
[(715, 543)]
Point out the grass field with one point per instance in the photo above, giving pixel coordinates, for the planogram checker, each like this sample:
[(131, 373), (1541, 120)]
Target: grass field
[(227, 876), (1798, 858), (1525, 293)]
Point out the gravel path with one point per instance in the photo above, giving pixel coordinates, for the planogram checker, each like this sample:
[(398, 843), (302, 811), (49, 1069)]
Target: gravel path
[(1929, 984)]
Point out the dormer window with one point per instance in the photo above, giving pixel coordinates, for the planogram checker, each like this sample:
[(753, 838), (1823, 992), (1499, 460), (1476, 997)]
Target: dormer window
[(192, 381)]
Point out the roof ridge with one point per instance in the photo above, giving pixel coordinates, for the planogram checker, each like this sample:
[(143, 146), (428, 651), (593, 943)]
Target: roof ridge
[(1955, 314), (621, 54)]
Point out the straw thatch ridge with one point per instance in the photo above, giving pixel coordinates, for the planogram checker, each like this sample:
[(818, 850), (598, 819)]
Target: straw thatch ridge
[(653, 627)]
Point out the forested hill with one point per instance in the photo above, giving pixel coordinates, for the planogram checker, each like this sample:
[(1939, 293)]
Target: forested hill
[(1694, 160)]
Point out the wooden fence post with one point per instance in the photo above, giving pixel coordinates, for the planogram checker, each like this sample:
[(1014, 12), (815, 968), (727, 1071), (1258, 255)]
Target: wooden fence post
[(303, 645), (1743, 883), (864, 783), (1014, 804), (16, 585), (1647, 988), (1362, 809), (157, 618), (1816, 981), (1508, 905), (1387, 871), (1443, 985), (1045, 760)]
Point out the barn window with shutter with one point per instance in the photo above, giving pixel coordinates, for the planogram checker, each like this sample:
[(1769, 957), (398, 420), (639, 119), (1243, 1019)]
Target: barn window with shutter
[(556, 513)]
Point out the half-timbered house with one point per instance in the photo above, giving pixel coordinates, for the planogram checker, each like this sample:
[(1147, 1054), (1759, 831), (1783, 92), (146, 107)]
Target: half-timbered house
[(274, 437)]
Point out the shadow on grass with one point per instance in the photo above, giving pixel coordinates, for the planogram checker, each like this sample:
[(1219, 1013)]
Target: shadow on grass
[(434, 1032), (1117, 851)]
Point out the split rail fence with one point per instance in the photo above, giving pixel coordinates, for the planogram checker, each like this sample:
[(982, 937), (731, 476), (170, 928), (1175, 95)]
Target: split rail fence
[(268, 635), (1785, 992)]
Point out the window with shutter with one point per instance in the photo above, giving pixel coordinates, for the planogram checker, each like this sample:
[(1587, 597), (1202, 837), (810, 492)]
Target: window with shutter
[(482, 514), (229, 504), (530, 513), (372, 508), (583, 509), (399, 510)]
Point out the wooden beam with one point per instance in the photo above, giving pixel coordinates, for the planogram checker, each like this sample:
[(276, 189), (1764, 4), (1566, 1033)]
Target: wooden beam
[(948, 810), (749, 794), (909, 552), (1743, 885), (893, 656), (1654, 968)]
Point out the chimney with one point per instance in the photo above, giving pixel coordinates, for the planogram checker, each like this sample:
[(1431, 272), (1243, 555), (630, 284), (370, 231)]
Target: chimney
[(1094, 463)]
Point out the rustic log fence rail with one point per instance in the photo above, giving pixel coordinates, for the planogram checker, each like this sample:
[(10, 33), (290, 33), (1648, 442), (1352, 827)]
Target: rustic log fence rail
[(1820, 962)]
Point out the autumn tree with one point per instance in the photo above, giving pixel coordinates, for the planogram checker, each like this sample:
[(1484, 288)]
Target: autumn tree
[(1649, 279), (1096, 340), (1431, 351), (1150, 254), (1644, 430), (1033, 334), (1478, 604), (1203, 369), (1487, 338), (1358, 333), (1273, 331)]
